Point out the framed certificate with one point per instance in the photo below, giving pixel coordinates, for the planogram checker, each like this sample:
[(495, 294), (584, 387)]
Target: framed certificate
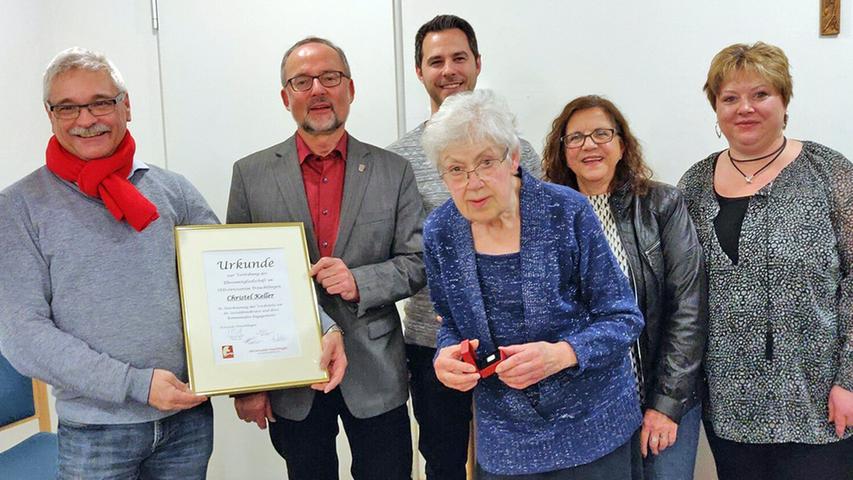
[(251, 320)]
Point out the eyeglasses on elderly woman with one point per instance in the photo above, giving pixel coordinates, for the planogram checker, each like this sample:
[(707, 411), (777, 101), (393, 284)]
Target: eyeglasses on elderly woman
[(456, 175)]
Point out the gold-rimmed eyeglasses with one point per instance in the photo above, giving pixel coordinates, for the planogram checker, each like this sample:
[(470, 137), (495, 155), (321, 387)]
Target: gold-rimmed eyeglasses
[(485, 169)]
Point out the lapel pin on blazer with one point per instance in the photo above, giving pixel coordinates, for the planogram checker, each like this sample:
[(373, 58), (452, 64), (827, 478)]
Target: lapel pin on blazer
[(361, 167)]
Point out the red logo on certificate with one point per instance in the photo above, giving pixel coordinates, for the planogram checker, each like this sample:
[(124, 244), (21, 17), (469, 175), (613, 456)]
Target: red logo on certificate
[(227, 351)]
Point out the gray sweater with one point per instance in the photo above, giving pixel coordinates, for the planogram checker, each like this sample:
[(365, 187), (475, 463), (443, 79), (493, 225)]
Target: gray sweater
[(421, 325), (87, 304)]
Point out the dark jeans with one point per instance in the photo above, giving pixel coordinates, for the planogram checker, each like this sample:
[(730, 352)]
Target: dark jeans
[(781, 461), (176, 447), (443, 415), (616, 465), (381, 446)]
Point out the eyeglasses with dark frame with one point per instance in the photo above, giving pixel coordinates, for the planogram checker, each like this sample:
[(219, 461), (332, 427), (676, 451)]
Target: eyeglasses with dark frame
[(484, 169), (598, 136), (329, 79), (98, 108)]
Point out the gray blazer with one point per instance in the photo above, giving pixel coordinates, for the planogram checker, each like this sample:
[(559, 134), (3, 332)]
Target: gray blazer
[(379, 239)]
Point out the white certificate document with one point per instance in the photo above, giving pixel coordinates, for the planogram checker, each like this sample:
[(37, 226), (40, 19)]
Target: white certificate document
[(249, 306)]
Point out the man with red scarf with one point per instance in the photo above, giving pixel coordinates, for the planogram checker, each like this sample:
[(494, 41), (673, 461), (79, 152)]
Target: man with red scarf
[(88, 286)]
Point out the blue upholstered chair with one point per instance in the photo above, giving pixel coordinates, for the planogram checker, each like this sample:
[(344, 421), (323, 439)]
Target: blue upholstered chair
[(23, 400)]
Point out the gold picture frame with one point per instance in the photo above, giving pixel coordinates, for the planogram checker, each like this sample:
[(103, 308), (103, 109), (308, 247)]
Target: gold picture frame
[(250, 315)]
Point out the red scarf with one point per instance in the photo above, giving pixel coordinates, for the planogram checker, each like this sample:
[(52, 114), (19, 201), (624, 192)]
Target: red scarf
[(106, 178)]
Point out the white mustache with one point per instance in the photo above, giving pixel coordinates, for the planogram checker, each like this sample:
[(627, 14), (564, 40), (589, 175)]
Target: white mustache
[(95, 129)]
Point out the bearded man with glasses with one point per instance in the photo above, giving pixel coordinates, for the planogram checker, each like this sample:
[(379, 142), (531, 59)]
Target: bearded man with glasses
[(363, 217)]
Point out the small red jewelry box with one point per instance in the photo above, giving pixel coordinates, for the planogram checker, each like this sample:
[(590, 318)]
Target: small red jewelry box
[(487, 365)]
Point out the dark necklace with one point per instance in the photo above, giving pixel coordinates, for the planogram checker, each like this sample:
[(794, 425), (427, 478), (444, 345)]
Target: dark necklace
[(756, 159), (749, 178)]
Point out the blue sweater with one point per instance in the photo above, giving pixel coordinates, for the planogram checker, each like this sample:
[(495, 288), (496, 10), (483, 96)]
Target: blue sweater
[(572, 290)]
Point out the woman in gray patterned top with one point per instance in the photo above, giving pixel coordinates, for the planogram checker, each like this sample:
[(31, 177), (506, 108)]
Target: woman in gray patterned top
[(775, 218), (591, 149)]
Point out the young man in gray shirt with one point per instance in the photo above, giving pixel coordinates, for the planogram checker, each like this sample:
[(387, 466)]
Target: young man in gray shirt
[(447, 61), (89, 297)]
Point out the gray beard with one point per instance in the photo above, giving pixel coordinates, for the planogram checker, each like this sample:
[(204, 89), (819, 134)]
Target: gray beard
[(308, 127)]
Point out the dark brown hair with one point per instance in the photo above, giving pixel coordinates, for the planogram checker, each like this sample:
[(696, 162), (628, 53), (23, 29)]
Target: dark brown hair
[(631, 169), (441, 23)]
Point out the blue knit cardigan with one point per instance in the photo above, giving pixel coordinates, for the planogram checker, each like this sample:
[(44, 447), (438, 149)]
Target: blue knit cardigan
[(572, 290)]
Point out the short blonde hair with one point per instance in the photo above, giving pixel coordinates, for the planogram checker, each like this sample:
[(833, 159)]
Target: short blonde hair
[(767, 61)]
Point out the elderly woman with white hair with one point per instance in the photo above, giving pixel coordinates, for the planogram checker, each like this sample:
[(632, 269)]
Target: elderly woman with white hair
[(520, 269)]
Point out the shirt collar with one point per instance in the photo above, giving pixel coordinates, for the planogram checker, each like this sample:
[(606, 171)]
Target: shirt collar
[(137, 165), (302, 150)]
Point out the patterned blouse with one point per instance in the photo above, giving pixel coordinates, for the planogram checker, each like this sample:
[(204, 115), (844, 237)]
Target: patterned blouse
[(781, 320), (601, 206)]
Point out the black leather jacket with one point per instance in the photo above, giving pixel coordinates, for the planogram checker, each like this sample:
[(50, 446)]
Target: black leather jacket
[(668, 276)]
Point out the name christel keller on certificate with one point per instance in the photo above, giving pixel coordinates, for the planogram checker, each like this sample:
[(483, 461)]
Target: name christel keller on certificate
[(249, 302)]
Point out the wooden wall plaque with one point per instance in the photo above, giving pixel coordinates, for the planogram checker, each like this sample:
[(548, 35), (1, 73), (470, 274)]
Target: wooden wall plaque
[(830, 17)]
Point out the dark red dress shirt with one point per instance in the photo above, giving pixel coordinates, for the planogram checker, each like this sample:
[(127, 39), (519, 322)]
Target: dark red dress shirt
[(323, 178)]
